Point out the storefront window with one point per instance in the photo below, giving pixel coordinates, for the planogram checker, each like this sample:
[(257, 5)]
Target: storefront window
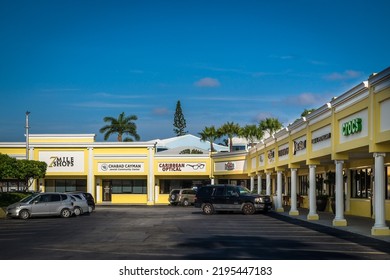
[(303, 185), (65, 185), (361, 182), (128, 186), (12, 185)]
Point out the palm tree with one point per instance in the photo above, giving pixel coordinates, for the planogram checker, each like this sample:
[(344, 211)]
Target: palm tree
[(230, 129), (252, 133), (271, 125), (209, 134), (122, 125)]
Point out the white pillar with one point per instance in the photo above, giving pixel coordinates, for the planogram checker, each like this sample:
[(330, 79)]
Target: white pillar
[(90, 176), (150, 181), (380, 227), (279, 204), (312, 194), (212, 181), (339, 219), (268, 184), (259, 184), (98, 190), (293, 211), (252, 183)]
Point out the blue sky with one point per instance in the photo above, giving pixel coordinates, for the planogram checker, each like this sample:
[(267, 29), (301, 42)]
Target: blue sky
[(71, 63)]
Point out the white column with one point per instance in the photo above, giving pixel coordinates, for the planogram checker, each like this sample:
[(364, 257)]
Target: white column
[(259, 184), (212, 181), (90, 178), (312, 194), (293, 211), (150, 181), (252, 183), (380, 227), (339, 219), (279, 204), (268, 184), (98, 190)]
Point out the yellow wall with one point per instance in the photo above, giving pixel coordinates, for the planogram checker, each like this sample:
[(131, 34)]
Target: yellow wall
[(129, 198), (360, 207)]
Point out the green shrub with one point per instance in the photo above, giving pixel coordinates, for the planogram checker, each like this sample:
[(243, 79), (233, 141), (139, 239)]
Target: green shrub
[(8, 198)]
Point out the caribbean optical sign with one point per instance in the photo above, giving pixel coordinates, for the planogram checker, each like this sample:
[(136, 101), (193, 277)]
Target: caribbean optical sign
[(121, 167), (63, 161), (182, 167)]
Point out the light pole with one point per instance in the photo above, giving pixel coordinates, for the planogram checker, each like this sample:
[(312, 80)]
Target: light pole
[(27, 137)]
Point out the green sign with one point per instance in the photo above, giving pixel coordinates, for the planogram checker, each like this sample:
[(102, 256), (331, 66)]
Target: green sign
[(352, 127)]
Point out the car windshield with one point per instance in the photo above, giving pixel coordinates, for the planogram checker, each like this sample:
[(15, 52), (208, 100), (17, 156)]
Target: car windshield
[(28, 198), (243, 190)]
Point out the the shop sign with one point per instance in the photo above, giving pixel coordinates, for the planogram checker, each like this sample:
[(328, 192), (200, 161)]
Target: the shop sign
[(121, 167), (182, 167), (63, 161)]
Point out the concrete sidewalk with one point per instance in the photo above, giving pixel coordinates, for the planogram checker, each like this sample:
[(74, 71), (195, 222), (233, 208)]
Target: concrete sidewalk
[(355, 224)]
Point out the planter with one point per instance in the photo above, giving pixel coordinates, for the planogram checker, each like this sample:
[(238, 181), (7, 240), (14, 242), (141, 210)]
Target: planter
[(321, 203)]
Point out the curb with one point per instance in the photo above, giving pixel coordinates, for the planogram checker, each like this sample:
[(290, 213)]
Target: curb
[(2, 213)]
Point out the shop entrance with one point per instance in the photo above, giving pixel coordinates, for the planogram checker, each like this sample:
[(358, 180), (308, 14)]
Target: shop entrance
[(107, 190)]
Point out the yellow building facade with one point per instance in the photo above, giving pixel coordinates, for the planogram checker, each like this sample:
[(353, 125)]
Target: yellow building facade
[(340, 151)]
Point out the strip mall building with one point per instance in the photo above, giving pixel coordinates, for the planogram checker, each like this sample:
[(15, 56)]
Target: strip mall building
[(348, 137)]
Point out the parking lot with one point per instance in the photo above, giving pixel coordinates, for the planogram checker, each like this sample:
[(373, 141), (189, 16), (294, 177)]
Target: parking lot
[(166, 232)]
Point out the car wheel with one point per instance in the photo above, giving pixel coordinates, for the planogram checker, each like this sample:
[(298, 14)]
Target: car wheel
[(77, 211), (208, 209), (248, 208), (90, 209), (65, 213), (186, 202), (24, 214)]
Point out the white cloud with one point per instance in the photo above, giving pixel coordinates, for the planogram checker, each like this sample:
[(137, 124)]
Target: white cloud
[(346, 75), (160, 111), (96, 104), (207, 82)]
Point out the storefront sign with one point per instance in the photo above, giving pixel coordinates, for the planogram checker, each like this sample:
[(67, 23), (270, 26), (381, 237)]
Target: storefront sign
[(283, 152), (299, 146), (237, 165), (261, 158), (321, 138), (61, 161), (229, 166), (121, 167), (182, 167), (352, 127)]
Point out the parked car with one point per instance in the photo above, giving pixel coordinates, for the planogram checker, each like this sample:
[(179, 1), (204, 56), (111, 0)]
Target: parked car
[(183, 197), (89, 197), (42, 204), (214, 198), (80, 204)]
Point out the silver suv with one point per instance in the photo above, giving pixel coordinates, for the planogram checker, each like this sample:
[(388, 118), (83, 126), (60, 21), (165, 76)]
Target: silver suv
[(42, 204), (183, 197)]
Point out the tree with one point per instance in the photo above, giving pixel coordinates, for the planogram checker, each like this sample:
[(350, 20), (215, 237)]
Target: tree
[(209, 134), (271, 125), (252, 133), (23, 170), (179, 122), (307, 112), (230, 129), (28, 170), (121, 126)]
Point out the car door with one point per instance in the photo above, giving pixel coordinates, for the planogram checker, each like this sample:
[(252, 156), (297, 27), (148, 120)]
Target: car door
[(40, 205), (232, 198), (54, 204), (218, 198)]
